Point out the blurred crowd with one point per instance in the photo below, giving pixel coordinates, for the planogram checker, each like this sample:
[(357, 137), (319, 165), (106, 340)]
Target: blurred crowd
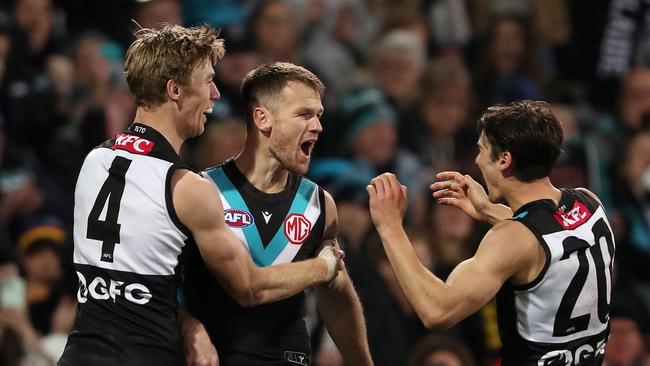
[(405, 82)]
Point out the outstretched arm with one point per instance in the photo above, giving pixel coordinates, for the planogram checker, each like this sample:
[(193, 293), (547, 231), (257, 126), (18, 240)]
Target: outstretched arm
[(470, 285), (340, 307), (455, 189), (199, 207)]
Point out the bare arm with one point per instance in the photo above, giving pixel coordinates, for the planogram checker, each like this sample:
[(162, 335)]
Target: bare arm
[(198, 348), (470, 285), (199, 207), (340, 307), (455, 189)]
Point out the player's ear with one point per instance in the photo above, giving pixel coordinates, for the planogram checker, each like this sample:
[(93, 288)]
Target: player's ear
[(173, 89), (504, 161), (262, 119)]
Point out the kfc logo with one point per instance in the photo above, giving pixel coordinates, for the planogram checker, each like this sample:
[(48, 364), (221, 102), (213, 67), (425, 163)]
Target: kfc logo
[(296, 228), (578, 215), (133, 144)]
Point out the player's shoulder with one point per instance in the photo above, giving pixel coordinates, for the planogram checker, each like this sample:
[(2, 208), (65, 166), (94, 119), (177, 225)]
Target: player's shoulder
[(509, 245), (187, 184), (589, 193), (504, 234)]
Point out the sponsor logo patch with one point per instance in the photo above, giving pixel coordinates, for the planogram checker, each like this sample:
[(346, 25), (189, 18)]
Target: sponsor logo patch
[(237, 218), (575, 217), (296, 228), (298, 358), (133, 144), (109, 289)]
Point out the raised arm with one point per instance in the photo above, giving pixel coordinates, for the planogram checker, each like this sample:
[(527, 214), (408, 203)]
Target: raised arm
[(340, 307), (199, 208), (455, 189), (471, 284)]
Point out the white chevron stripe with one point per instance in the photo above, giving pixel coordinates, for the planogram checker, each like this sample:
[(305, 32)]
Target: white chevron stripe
[(312, 213)]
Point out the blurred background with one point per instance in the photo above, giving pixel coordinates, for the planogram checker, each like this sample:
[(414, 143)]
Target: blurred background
[(406, 81)]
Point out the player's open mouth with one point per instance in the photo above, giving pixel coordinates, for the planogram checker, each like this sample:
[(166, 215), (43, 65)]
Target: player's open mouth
[(307, 146), (208, 111)]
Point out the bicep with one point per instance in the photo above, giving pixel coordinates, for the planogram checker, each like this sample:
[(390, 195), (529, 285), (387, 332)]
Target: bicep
[(471, 285), (474, 282), (331, 217), (224, 255), (199, 208)]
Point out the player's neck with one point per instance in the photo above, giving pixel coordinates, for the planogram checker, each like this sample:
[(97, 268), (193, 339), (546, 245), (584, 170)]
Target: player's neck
[(262, 169), (519, 193), (161, 122)]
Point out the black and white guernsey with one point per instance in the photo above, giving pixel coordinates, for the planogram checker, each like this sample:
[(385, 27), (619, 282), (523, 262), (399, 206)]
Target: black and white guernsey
[(562, 317), (127, 240)]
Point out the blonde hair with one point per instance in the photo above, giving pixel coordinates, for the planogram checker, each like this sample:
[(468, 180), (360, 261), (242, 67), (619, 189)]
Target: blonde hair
[(172, 52)]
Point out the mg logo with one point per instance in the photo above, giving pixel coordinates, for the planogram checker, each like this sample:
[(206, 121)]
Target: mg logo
[(296, 228)]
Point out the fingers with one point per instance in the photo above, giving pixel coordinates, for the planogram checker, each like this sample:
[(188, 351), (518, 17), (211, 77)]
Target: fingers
[(341, 262), (450, 202), (450, 175), (454, 183), (385, 184), (471, 182), (392, 183), (372, 191), (334, 259)]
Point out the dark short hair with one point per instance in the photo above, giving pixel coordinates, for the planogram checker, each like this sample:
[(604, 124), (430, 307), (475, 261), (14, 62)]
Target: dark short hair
[(529, 131), (262, 85)]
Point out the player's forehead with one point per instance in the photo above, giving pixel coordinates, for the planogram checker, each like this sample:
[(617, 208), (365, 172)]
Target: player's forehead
[(482, 141), (297, 94), (203, 69)]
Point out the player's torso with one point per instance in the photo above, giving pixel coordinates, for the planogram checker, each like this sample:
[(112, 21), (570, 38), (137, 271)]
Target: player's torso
[(127, 240), (561, 318), (275, 228)]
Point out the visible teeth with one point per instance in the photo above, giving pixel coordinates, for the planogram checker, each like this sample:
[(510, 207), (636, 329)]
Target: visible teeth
[(208, 111)]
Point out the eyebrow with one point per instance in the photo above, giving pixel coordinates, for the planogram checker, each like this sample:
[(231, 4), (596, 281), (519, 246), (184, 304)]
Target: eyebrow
[(302, 110)]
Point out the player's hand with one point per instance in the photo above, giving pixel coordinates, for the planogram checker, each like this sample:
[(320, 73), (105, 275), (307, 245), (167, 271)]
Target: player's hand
[(455, 189), (199, 350), (388, 200), (333, 257)]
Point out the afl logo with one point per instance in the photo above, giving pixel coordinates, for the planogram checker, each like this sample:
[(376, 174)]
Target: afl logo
[(237, 218), (296, 228)]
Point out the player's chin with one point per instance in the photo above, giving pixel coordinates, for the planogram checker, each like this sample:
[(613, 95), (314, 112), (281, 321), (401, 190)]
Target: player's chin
[(300, 167)]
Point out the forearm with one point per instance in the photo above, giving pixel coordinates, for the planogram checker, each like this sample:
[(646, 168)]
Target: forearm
[(186, 322), (277, 282), (342, 313), (496, 213), (425, 292)]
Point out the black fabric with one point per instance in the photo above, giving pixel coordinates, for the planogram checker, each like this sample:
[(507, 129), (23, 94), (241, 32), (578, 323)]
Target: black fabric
[(538, 216), (260, 335), (117, 331)]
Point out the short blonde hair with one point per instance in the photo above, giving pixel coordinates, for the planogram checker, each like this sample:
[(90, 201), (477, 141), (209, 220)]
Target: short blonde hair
[(172, 52)]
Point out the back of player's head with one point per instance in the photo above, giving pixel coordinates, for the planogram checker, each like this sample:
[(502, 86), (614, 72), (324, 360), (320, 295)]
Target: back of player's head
[(262, 85), (529, 131), (172, 52)]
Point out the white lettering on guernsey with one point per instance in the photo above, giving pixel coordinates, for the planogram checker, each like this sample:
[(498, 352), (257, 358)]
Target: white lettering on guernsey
[(136, 145), (98, 289), (132, 143), (569, 358)]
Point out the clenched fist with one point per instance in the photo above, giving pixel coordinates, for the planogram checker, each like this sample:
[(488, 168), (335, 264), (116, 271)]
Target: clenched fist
[(388, 200)]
